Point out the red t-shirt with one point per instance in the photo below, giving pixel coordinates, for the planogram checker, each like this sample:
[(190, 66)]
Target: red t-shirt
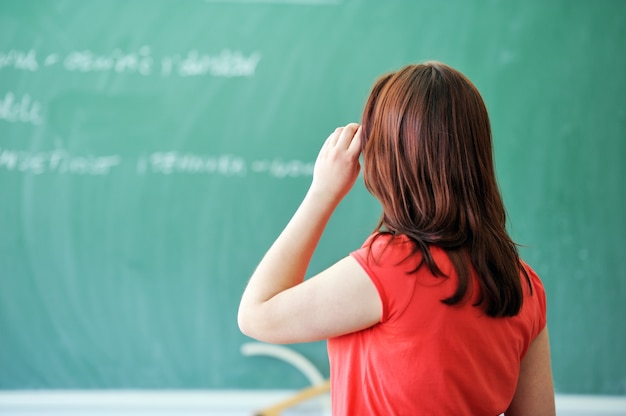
[(425, 357)]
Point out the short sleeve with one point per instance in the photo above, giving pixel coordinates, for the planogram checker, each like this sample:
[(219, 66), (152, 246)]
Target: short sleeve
[(385, 262), (538, 300)]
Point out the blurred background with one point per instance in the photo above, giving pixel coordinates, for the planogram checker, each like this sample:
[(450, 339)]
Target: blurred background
[(150, 151)]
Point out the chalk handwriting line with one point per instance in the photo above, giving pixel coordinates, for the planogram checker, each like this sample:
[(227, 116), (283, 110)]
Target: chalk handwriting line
[(60, 160)]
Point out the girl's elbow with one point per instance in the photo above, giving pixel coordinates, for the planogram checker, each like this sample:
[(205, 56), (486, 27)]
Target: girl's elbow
[(250, 325), (244, 322)]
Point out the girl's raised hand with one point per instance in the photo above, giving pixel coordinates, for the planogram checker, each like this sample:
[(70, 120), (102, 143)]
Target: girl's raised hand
[(337, 166)]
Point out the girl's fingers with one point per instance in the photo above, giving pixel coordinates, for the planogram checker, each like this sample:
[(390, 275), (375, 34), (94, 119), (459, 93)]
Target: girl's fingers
[(347, 134), (348, 138), (355, 144), (334, 137)]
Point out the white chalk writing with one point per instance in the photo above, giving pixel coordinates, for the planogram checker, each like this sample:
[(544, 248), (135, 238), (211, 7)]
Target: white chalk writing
[(174, 162), (140, 62), (25, 60), (280, 169), (62, 161), (226, 63), (20, 109), (58, 160)]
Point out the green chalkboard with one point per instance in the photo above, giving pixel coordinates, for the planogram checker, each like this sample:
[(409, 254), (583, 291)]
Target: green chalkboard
[(150, 151)]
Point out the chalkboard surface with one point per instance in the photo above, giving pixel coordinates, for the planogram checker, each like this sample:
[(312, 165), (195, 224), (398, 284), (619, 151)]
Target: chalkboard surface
[(150, 151)]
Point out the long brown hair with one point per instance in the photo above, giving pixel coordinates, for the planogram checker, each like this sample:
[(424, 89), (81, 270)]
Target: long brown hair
[(427, 156)]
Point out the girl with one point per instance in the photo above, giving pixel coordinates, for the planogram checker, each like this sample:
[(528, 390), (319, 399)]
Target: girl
[(435, 313)]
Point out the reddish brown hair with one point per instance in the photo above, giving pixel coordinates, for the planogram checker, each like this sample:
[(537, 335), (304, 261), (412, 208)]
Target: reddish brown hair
[(427, 156)]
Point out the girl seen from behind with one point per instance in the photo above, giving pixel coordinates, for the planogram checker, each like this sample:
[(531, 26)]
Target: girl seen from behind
[(435, 313)]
